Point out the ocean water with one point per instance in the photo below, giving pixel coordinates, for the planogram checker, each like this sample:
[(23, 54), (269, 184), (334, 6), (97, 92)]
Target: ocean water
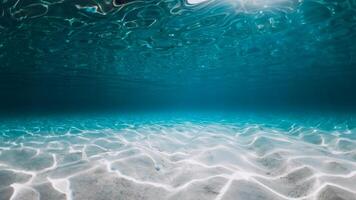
[(106, 53), (177, 99)]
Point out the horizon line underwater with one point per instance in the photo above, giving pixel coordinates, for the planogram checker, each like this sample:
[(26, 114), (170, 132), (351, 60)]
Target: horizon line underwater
[(177, 100)]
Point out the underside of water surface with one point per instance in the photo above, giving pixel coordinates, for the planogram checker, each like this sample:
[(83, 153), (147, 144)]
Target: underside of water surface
[(177, 99)]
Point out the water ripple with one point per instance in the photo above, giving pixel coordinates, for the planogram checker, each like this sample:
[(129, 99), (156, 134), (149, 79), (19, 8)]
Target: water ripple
[(238, 37)]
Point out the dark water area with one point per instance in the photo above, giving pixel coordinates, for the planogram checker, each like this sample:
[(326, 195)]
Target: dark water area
[(105, 54)]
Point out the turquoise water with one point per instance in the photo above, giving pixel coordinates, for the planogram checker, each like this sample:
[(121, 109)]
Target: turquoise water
[(177, 100), (233, 52)]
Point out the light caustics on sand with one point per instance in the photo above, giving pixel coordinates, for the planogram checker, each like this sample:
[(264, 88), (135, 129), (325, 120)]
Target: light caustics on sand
[(217, 160)]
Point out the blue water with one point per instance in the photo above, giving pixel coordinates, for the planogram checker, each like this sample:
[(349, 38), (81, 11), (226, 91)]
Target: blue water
[(177, 100), (117, 53)]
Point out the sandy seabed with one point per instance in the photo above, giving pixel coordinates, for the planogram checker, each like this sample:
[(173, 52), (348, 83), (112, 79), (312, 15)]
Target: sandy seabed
[(182, 160)]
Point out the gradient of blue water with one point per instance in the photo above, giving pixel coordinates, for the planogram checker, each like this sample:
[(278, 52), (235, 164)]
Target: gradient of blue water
[(149, 53)]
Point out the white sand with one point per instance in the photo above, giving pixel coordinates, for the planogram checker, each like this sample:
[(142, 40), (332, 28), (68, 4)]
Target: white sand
[(183, 161)]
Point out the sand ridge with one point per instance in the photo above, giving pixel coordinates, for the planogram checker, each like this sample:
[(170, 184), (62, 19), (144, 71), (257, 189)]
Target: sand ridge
[(176, 160)]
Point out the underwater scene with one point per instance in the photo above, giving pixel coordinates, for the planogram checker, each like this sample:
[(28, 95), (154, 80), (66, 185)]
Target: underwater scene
[(177, 99)]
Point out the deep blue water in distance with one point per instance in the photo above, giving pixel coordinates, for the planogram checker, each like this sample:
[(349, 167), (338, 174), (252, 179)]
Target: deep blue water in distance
[(177, 99), (151, 53)]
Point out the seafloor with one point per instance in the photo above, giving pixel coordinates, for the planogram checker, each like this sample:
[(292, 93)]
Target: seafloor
[(231, 158)]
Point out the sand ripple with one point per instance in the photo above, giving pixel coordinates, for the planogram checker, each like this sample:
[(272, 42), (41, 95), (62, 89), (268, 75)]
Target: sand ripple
[(108, 159)]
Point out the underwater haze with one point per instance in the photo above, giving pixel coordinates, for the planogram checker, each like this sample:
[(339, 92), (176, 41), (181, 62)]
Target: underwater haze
[(177, 100), (125, 53)]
